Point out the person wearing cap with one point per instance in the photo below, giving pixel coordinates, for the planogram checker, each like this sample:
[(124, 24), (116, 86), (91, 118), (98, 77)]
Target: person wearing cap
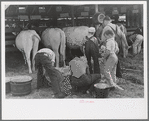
[(109, 26), (91, 32), (91, 50), (47, 74)]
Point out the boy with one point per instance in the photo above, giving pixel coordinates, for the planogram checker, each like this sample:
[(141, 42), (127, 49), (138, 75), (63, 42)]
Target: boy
[(92, 51), (110, 59)]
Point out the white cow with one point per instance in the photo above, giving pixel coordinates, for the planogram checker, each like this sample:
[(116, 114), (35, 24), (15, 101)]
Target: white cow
[(27, 41), (54, 38)]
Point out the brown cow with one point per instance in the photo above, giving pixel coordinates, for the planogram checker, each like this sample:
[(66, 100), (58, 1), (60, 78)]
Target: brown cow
[(27, 41), (54, 38)]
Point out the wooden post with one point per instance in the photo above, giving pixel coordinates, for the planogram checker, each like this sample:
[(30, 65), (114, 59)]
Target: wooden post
[(96, 8), (72, 15), (54, 20), (141, 15)]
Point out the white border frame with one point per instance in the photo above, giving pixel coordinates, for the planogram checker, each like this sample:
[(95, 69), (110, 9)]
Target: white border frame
[(15, 109)]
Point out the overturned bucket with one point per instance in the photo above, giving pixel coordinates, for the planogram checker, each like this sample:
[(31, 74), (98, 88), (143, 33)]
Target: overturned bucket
[(101, 90)]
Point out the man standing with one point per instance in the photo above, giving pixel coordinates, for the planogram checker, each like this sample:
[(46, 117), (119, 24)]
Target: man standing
[(122, 43)]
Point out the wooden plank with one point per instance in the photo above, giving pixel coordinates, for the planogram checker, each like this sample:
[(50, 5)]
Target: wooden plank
[(11, 42), (131, 29), (10, 37), (9, 30), (11, 49)]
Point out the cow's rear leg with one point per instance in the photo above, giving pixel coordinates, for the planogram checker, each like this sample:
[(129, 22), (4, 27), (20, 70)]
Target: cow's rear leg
[(35, 49), (24, 56), (62, 58), (28, 60), (57, 58)]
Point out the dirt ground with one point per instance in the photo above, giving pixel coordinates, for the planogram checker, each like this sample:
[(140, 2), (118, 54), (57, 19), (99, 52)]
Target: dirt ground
[(133, 72)]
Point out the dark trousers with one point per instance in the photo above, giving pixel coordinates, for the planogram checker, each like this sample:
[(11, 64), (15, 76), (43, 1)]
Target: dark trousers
[(41, 80), (55, 76), (85, 82), (91, 50), (118, 70)]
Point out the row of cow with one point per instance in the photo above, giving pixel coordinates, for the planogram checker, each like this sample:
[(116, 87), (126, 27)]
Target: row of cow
[(54, 38)]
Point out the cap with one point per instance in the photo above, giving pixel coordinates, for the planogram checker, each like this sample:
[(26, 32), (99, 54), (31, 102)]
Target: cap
[(101, 18), (107, 18), (91, 29)]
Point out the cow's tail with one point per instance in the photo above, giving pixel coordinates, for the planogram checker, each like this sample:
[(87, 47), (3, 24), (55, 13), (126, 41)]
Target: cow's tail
[(62, 45), (36, 40)]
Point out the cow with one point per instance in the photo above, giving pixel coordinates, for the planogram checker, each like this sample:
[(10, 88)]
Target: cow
[(27, 41), (54, 38), (75, 37)]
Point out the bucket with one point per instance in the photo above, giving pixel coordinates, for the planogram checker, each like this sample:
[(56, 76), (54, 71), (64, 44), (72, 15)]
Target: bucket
[(20, 85), (101, 90), (7, 86)]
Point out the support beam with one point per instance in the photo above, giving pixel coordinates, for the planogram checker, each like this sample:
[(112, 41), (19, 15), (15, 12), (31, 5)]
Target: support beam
[(72, 14), (96, 8), (49, 9), (34, 9)]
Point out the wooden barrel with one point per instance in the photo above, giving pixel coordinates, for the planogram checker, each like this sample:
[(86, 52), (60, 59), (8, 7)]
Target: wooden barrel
[(98, 18), (20, 85)]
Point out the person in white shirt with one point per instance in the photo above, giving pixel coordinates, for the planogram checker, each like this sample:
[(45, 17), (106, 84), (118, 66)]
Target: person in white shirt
[(44, 62), (107, 25), (81, 79), (110, 59), (123, 42), (136, 40)]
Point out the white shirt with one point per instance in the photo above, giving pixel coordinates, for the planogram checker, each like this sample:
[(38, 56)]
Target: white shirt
[(78, 66), (48, 52), (112, 45)]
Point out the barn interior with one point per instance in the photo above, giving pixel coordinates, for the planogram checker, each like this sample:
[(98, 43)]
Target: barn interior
[(40, 17)]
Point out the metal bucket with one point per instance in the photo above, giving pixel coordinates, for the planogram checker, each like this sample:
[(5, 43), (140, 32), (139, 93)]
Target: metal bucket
[(7, 87), (20, 85), (101, 90)]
